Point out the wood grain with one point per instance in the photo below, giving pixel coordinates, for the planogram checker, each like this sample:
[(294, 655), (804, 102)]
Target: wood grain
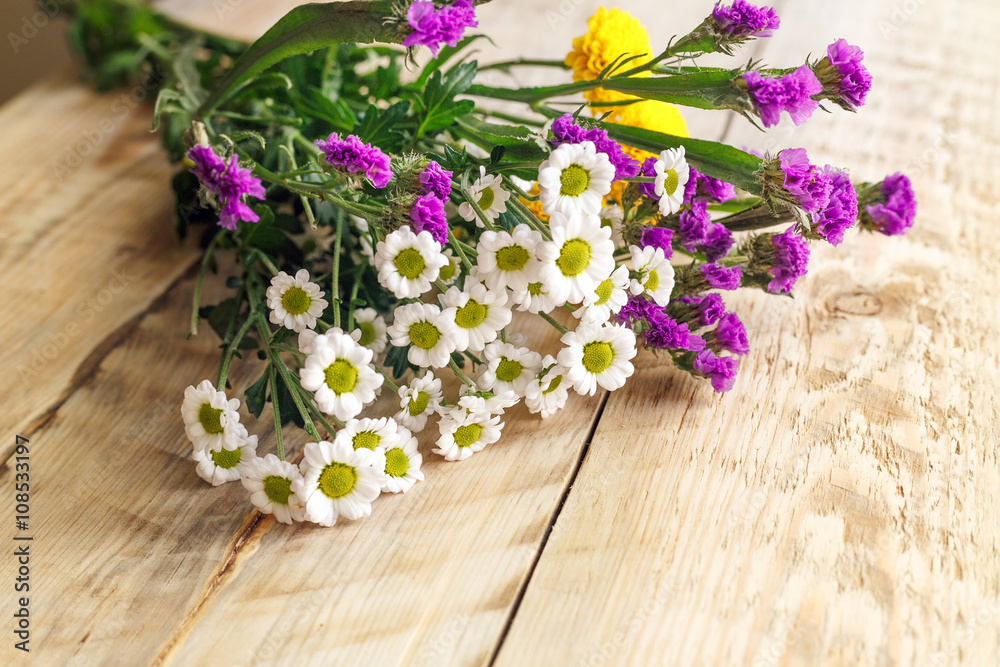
[(841, 506)]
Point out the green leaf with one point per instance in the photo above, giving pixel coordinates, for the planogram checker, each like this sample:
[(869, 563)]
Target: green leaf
[(396, 359), (379, 126), (308, 28), (221, 315), (520, 143), (709, 157), (443, 57), (702, 90), (439, 104), (166, 96), (312, 103), (256, 395)]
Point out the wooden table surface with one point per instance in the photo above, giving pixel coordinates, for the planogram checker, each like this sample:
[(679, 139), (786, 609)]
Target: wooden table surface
[(840, 506)]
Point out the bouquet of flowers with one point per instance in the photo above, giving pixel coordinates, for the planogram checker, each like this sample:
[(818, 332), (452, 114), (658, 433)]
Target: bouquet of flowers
[(387, 220)]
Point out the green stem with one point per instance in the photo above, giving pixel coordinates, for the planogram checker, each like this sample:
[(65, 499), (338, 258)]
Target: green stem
[(757, 217), (276, 361), (457, 245), (227, 359), (459, 374), (277, 412), (388, 381), (335, 277), (548, 318), (206, 258), (354, 295), (525, 62)]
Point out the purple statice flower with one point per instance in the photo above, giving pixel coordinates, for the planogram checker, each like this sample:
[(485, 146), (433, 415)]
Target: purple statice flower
[(745, 20), (354, 156), (649, 170), (664, 332), (427, 214), (704, 310), (841, 212), (700, 185), (565, 131), (229, 182), (722, 277), (730, 335), (432, 28), (720, 370), (806, 183), (657, 237), (434, 178), (792, 93), (896, 214), (693, 223), (718, 242), (789, 258), (853, 80), (637, 309)]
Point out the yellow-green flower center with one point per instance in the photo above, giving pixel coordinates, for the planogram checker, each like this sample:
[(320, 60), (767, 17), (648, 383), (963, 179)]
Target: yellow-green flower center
[(574, 257), (337, 480), (277, 489), (471, 315), (652, 281), (410, 263), (447, 271), (512, 258), (466, 436), (671, 182), (396, 463), (341, 376), (417, 405), (367, 333), (597, 356), (604, 291), (210, 419), (509, 370), (295, 300), (573, 180), (535, 289), (486, 198), (366, 440), (226, 458), (424, 335), (553, 385)]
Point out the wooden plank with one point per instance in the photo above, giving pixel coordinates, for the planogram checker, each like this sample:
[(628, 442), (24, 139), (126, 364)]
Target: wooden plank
[(85, 235), (840, 506)]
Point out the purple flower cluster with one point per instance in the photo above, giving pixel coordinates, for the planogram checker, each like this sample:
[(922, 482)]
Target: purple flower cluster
[(896, 214), (697, 230), (730, 335), (354, 156), (700, 185), (566, 131), (427, 214), (649, 170), (853, 80), (657, 237), (841, 211), (718, 242), (806, 183), (434, 178), (432, 28), (693, 223), (708, 308), (722, 277), (661, 330), (792, 93), (745, 20), (720, 370), (229, 182), (788, 259)]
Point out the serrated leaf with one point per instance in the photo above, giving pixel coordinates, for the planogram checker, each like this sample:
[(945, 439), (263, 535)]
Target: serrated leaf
[(439, 104), (379, 126), (166, 96)]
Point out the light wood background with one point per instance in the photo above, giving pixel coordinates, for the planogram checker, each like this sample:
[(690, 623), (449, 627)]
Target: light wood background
[(839, 507)]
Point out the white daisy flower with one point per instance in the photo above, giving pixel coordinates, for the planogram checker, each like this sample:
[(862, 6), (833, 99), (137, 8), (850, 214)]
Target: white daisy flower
[(576, 260), (597, 355), (269, 481), (489, 194), (227, 465), (508, 259), (338, 481), (672, 174), (408, 263), (655, 274), (478, 313), (402, 464), (452, 270), (613, 217), (575, 179), (295, 303), (508, 368), (373, 434), (547, 394), (419, 400), (464, 433), (608, 298), (306, 339), (372, 327), (337, 370), (429, 333), (535, 298), (210, 418), (498, 403)]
